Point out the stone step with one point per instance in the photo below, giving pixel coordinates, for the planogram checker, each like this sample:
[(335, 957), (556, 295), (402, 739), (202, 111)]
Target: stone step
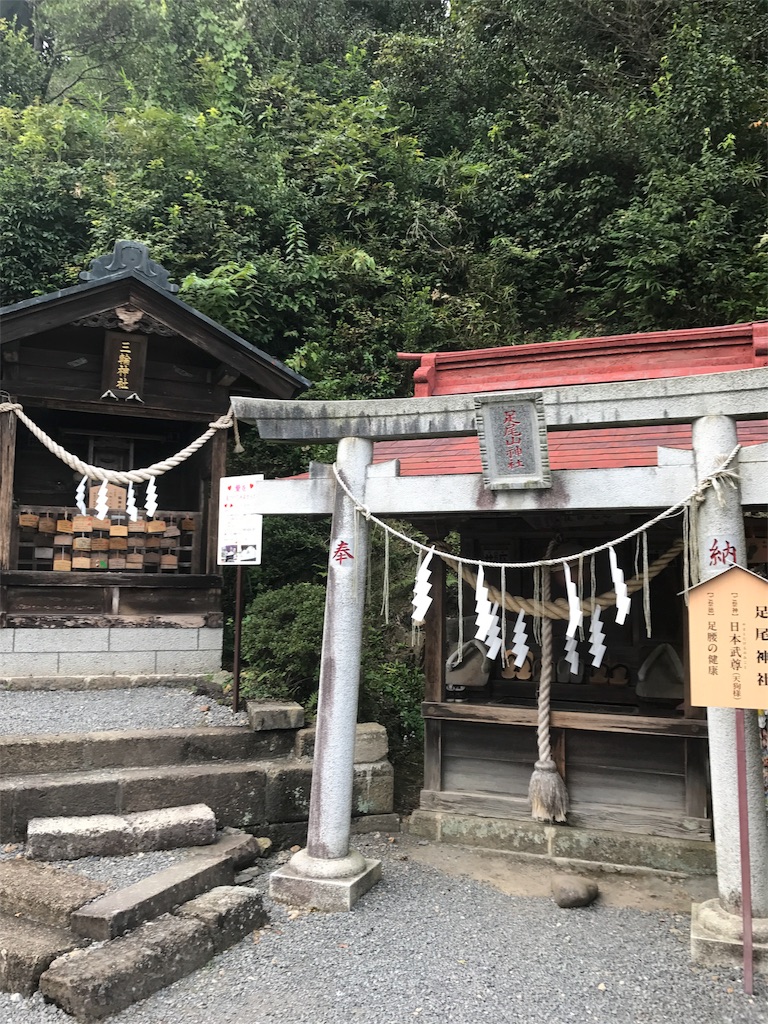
[(90, 751), (28, 949), (114, 835), (105, 979), (44, 894), (244, 794), (125, 909)]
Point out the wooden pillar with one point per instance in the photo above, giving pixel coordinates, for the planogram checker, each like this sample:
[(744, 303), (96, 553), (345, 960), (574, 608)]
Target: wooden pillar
[(7, 460), (218, 456)]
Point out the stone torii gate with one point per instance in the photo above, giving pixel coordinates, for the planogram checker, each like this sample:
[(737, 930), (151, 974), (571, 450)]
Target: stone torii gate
[(329, 875)]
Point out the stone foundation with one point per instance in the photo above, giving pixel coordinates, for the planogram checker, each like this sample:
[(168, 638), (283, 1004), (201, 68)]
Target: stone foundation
[(51, 656)]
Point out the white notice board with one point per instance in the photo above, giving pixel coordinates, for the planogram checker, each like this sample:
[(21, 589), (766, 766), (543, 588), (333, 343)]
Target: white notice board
[(240, 522)]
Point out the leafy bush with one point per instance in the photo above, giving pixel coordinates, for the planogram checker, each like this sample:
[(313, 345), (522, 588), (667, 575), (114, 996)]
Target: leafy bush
[(282, 638)]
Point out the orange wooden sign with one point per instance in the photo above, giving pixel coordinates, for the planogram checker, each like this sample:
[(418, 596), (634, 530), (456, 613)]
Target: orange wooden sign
[(728, 640)]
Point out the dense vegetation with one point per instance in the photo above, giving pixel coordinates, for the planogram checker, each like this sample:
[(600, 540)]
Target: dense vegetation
[(337, 180)]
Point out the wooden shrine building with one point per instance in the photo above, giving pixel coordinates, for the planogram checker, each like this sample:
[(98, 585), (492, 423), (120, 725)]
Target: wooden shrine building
[(122, 374), (629, 744)]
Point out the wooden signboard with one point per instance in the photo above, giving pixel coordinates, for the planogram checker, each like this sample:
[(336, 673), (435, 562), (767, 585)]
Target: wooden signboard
[(125, 358), (728, 640)]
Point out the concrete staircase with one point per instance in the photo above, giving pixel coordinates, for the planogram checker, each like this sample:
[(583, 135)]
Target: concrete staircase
[(254, 777)]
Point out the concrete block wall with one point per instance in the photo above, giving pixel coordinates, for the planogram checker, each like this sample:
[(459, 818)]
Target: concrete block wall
[(109, 651)]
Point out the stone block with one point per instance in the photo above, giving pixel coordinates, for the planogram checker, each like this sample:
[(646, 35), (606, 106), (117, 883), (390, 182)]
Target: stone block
[(176, 662), (83, 640), (373, 790), (121, 911), (44, 894), (94, 835), (150, 639), (274, 714), (172, 827), (692, 856), (47, 796), (241, 848), (6, 642), (496, 833), (234, 791), (229, 912), (20, 755), (28, 950), (210, 639), (106, 663), (103, 980), (375, 823), (331, 895), (21, 664), (425, 824), (287, 794), (371, 743), (717, 938), (133, 638)]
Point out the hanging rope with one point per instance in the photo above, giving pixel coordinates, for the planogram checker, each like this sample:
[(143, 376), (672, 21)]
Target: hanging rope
[(718, 479), (111, 476), (546, 791), (559, 609)]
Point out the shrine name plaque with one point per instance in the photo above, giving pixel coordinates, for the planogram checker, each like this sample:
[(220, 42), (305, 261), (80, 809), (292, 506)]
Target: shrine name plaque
[(512, 431), (125, 358)]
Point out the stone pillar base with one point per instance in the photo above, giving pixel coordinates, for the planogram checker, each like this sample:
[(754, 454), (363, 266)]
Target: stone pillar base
[(332, 895), (717, 941)]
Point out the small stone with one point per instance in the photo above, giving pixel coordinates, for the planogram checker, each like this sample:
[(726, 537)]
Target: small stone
[(295, 849), (246, 876), (229, 830), (205, 707), (573, 891), (283, 857), (263, 844), (601, 986)]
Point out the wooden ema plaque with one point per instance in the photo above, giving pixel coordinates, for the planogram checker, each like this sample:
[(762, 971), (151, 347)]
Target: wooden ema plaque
[(728, 640)]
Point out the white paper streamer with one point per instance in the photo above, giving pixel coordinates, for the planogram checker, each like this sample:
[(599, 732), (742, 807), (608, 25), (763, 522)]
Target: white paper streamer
[(80, 496), (102, 505), (493, 636), (572, 654), (421, 588), (574, 604), (520, 646), (623, 600), (596, 635), (150, 501), (130, 505)]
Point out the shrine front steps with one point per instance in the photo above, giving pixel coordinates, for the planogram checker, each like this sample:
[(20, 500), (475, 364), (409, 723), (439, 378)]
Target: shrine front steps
[(270, 796)]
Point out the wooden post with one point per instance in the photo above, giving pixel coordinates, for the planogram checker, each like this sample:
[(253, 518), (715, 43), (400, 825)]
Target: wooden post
[(218, 464), (434, 675), (7, 460)]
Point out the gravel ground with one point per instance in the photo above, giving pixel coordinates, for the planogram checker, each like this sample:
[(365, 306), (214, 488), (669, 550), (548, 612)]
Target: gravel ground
[(422, 946), (152, 707)]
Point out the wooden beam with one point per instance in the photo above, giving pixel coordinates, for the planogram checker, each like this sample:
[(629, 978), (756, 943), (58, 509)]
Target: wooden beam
[(7, 461), (218, 467), (109, 579), (224, 376), (499, 715)]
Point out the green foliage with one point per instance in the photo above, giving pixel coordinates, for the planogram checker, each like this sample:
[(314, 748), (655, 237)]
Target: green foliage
[(282, 638)]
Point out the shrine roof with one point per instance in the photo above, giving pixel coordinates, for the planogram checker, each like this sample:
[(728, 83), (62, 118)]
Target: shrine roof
[(579, 361), (680, 353), (128, 278)]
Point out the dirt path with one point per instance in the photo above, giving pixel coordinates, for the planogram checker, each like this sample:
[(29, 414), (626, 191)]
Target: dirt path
[(518, 876)]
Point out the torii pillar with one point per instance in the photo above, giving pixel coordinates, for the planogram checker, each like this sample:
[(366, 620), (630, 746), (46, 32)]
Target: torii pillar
[(328, 875), (716, 925)]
